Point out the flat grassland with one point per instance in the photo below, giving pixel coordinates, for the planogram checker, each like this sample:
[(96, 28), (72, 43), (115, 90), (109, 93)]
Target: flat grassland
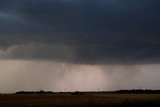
[(80, 100)]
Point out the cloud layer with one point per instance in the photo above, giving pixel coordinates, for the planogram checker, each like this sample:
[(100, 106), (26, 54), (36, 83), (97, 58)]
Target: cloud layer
[(81, 31)]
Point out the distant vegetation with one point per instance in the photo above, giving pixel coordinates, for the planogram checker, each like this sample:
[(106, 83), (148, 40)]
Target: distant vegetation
[(133, 91), (139, 91), (34, 92)]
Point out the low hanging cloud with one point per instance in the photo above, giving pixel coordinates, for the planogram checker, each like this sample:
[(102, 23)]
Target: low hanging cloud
[(38, 51), (83, 54)]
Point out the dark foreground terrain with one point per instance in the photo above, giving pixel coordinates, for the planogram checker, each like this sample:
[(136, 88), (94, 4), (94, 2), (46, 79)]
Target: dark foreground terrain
[(77, 99)]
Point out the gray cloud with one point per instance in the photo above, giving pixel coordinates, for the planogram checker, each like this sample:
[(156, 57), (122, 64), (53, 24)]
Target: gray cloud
[(104, 31)]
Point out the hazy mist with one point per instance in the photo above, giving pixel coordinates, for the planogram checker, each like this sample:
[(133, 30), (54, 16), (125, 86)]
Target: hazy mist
[(17, 75)]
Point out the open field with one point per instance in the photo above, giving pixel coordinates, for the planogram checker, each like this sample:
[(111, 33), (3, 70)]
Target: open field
[(83, 100)]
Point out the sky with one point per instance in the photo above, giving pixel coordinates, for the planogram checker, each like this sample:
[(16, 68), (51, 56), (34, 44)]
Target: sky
[(79, 45)]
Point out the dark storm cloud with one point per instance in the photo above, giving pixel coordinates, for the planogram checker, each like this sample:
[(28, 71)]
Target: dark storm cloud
[(97, 31)]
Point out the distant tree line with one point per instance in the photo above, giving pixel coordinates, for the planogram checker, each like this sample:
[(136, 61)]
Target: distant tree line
[(133, 91), (138, 91), (49, 92), (34, 92)]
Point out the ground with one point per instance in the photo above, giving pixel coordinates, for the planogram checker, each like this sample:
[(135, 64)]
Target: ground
[(79, 99)]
